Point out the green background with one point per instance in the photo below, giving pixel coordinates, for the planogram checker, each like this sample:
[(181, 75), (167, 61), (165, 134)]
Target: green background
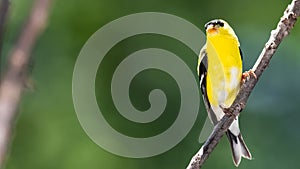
[(48, 134)]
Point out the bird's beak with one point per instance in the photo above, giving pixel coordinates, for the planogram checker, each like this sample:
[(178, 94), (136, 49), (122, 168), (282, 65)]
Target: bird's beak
[(211, 29)]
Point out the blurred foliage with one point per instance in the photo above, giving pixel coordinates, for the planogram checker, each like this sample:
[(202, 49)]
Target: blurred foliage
[(48, 134)]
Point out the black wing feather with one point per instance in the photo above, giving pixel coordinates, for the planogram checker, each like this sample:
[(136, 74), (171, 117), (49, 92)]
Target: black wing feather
[(241, 53), (202, 77)]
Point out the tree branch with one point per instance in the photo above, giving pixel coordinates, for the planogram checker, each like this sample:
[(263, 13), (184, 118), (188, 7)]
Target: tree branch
[(12, 84), (284, 27)]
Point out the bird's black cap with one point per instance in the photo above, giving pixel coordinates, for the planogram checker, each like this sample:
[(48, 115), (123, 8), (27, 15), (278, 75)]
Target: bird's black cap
[(215, 22)]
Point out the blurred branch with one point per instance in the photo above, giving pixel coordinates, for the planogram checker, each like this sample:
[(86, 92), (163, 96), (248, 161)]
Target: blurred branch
[(13, 80), (284, 27), (3, 16)]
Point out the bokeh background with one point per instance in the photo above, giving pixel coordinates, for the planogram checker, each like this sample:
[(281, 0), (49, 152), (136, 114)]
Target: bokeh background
[(48, 134)]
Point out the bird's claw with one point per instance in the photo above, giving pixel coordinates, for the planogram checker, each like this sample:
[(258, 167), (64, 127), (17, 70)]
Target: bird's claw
[(228, 111), (246, 76)]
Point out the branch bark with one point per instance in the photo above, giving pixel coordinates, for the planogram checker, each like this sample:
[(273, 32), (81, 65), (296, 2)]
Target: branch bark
[(12, 84), (283, 28)]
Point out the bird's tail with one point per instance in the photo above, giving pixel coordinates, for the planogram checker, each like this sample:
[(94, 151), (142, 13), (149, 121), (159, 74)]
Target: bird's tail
[(238, 147)]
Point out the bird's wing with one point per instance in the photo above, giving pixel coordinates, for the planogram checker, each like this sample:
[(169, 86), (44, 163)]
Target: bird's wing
[(202, 72)]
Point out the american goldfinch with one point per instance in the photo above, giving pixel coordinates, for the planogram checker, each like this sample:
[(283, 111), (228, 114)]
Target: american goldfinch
[(220, 75)]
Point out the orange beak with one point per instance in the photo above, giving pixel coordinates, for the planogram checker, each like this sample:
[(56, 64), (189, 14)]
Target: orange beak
[(211, 29)]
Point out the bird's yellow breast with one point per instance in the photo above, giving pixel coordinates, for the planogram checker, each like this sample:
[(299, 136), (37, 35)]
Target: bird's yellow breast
[(224, 69)]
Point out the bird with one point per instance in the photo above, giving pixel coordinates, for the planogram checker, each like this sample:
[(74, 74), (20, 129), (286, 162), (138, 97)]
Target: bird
[(220, 75)]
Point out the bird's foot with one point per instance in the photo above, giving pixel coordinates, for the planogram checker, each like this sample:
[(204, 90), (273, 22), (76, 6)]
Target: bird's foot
[(246, 76), (228, 111)]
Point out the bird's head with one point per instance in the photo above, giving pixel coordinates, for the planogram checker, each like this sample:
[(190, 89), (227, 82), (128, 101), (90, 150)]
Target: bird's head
[(218, 27)]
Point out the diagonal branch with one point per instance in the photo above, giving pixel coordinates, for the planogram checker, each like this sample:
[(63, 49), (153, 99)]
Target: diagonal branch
[(12, 84), (284, 27)]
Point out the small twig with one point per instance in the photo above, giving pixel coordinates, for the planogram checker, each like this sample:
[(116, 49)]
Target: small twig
[(12, 84), (284, 27)]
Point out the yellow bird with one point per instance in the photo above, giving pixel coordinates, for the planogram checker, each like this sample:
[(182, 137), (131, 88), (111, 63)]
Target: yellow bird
[(220, 74)]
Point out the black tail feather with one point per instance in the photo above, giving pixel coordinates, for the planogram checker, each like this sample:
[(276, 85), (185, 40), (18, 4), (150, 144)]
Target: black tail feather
[(238, 148)]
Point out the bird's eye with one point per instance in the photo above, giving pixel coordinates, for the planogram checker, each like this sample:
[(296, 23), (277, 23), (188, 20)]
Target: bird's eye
[(220, 23)]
